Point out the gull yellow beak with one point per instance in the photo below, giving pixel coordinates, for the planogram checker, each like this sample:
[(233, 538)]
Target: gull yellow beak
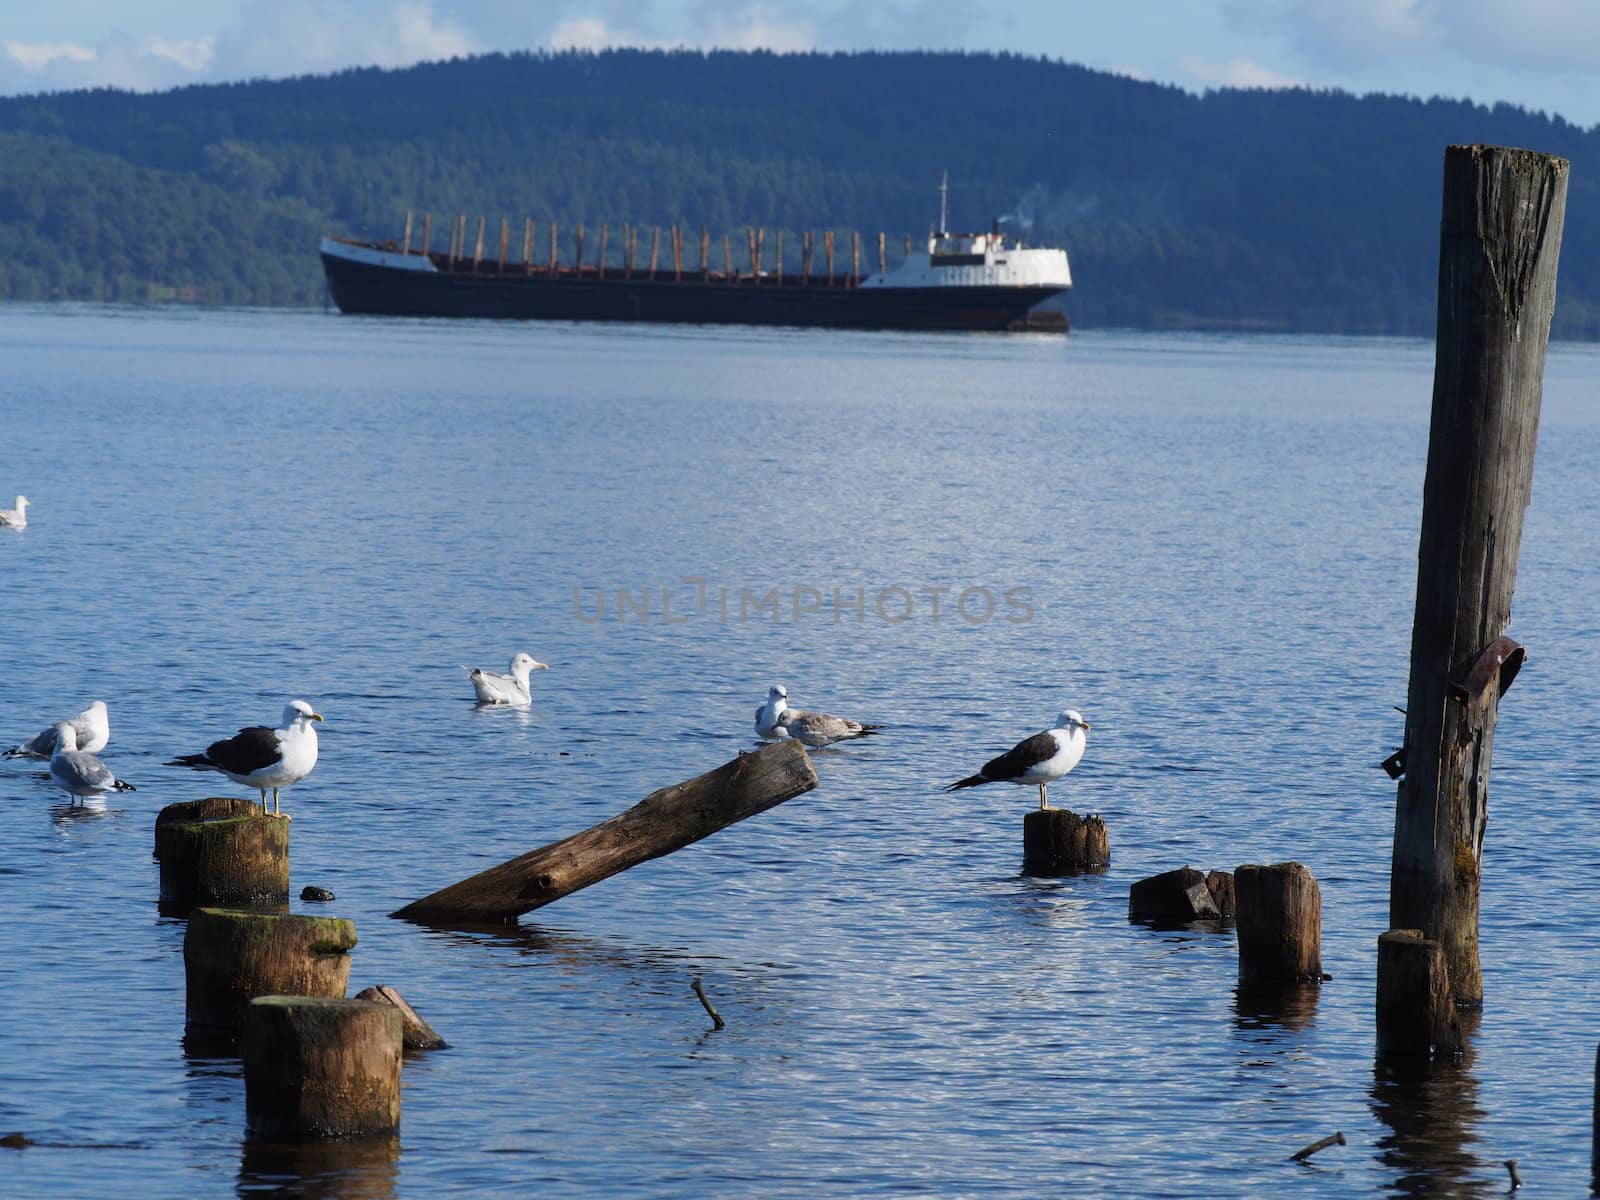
[(316, 716)]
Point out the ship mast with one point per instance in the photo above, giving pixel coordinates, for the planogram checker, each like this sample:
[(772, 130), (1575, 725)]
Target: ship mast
[(944, 197)]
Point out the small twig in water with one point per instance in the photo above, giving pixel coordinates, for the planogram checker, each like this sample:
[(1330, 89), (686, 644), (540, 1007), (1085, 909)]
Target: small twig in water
[(716, 1018), (1335, 1139), (1516, 1180)]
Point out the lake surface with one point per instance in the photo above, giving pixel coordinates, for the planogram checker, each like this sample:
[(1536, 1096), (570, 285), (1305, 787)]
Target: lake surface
[(1207, 545)]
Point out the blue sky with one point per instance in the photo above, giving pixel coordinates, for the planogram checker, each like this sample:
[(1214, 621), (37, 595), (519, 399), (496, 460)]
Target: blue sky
[(1540, 54)]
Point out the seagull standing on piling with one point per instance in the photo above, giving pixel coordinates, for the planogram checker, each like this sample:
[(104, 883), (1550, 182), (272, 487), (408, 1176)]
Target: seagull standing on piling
[(15, 518), (92, 727), (506, 689), (1041, 759), (79, 772), (261, 757)]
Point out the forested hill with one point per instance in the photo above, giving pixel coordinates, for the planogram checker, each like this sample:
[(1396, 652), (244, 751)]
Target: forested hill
[(1292, 210)]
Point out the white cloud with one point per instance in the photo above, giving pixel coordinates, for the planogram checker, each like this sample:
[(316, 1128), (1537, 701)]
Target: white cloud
[(275, 38), (1236, 73), (192, 54), (36, 56), (711, 25)]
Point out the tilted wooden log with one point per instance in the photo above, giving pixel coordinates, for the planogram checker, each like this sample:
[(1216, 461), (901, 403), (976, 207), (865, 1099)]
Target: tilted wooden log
[(415, 1033), (1499, 240), (230, 958), (662, 822), (221, 851), (321, 1068), (1057, 841)]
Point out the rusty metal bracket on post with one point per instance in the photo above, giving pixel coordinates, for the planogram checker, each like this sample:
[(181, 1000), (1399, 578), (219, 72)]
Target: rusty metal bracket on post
[(1499, 663)]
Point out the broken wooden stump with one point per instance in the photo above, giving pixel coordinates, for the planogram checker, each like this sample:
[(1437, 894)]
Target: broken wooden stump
[(415, 1033), (1220, 885), (1057, 841), (1499, 241), (662, 822), (1416, 1014), (1173, 898), (1279, 919), (221, 851), (230, 958), (319, 1067)]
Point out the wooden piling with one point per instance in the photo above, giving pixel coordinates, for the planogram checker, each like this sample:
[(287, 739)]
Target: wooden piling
[(505, 245), (1500, 238), (1172, 898), (664, 821), (1279, 917), (1057, 841), (727, 257), (677, 254), (231, 957), (527, 246), (777, 259), (318, 1067), (805, 258), (406, 245), (427, 235), (577, 249), (221, 850), (655, 249), (705, 251), (855, 255), (554, 251), (1416, 1013), (600, 263), (477, 250), (827, 243)]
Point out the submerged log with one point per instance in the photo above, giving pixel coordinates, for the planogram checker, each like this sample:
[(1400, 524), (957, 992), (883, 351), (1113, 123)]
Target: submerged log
[(1499, 240), (415, 1033), (1173, 896), (221, 851), (1416, 1014), (1280, 923), (1057, 841), (230, 958), (321, 1068), (662, 822)]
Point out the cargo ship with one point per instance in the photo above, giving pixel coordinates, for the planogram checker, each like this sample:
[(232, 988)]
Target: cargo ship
[(957, 281)]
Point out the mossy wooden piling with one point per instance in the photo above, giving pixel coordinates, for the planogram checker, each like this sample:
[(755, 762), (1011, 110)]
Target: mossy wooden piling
[(1279, 919), (231, 957), (662, 822), (221, 850), (1499, 241), (1057, 841), (319, 1067), (1416, 1012)]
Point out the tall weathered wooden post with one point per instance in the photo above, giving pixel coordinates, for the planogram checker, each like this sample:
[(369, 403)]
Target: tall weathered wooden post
[(1500, 237)]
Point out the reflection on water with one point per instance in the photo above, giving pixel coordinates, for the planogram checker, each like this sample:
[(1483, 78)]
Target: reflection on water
[(1431, 1109), (1266, 1006), (347, 1169)]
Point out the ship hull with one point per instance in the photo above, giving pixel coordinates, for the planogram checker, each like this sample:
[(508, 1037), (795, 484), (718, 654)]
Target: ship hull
[(371, 288)]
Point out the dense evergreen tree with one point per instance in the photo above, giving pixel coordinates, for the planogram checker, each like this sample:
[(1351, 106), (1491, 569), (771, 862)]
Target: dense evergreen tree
[(1292, 209)]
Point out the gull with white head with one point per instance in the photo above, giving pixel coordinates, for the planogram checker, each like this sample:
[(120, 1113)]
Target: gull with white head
[(1041, 759), (261, 757), (92, 727), (511, 688), (15, 518), (78, 772), (775, 719)]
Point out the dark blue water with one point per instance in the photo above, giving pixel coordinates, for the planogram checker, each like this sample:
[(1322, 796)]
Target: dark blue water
[(1205, 544)]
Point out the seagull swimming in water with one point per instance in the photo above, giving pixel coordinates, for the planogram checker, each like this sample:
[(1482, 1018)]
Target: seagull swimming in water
[(16, 518), (92, 727), (814, 729), (263, 758), (506, 689), (79, 772), (1041, 759)]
